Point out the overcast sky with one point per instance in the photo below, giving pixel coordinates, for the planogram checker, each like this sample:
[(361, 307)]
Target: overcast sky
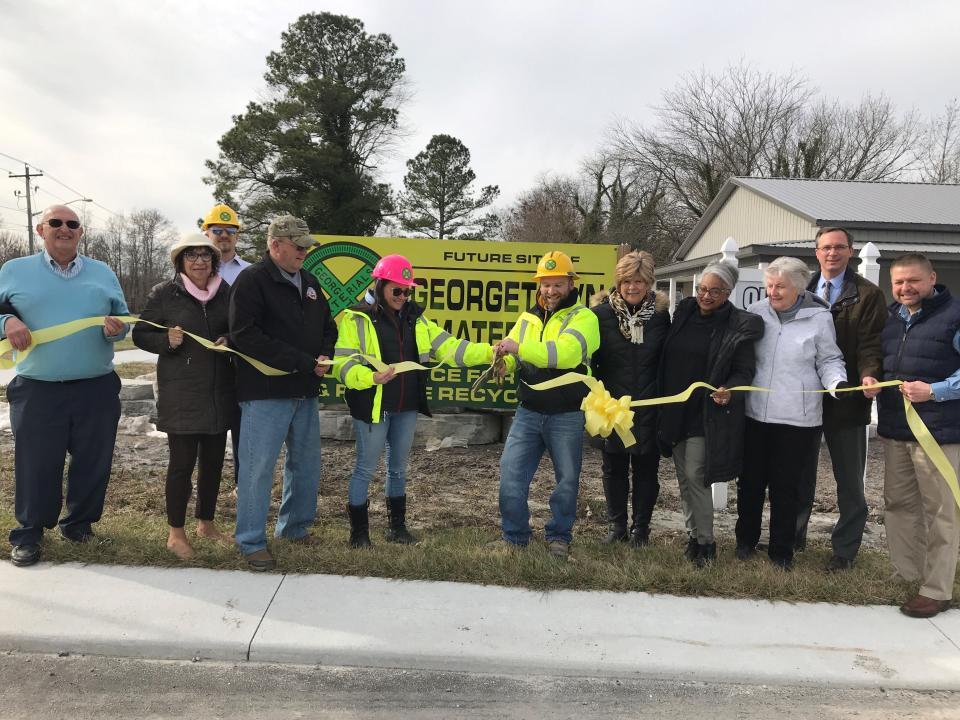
[(123, 101)]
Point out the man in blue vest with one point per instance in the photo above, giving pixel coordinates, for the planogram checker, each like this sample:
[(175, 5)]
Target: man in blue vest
[(921, 346)]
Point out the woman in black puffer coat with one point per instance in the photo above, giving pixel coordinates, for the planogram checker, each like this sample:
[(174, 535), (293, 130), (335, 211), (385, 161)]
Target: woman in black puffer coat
[(711, 341), (195, 402), (633, 325)]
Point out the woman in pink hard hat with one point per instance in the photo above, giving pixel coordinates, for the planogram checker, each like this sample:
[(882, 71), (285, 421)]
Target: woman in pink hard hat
[(390, 326)]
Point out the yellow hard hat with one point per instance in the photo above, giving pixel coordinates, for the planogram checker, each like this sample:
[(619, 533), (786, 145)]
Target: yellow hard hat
[(221, 215), (555, 264)]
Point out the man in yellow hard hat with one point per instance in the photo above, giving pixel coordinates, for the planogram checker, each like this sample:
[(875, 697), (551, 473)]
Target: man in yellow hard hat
[(222, 226), (557, 335)]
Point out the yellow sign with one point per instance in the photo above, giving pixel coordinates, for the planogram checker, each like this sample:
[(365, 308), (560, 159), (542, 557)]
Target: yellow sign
[(473, 289)]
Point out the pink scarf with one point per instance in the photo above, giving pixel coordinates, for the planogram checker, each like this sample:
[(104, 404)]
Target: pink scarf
[(213, 284)]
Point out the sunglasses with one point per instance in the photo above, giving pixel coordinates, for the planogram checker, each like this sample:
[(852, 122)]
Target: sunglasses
[(193, 256), (57, 222), (406, 292), (221, 231)]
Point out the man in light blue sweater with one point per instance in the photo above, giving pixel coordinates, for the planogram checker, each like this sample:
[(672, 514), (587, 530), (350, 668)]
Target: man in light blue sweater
[(66, 396)]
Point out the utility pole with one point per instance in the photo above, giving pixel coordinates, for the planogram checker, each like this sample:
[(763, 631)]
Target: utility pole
[(27, 175)]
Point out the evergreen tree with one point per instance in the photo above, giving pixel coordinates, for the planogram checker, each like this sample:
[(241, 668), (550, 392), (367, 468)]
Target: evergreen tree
[(439, 200), (311, 149)]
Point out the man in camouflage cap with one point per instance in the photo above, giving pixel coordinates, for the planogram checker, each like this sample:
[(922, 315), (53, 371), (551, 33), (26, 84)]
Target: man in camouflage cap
[(279, 315)]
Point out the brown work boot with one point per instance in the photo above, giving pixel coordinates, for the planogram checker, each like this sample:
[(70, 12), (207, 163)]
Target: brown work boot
[(260, 561)]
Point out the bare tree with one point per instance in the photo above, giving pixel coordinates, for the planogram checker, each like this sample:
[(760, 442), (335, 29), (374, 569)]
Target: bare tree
[(144, 254), (827, 140), (712, 127), (873, 143), (11, 246), (939, 156), (546, 213)]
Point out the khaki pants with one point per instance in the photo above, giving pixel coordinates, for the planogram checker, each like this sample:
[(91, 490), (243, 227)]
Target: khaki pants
[(922, 519), (689, 459)]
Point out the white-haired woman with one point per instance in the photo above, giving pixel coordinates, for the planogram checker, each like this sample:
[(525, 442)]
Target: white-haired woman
[(797, 354), (633, 322), (711, 341)]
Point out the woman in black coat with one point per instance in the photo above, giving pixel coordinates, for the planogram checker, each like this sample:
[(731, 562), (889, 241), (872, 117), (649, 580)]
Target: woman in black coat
[(195, 402), (633, 325), (711, 341)]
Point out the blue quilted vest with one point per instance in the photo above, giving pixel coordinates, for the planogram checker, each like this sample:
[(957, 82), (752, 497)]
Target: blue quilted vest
[(923, 351)]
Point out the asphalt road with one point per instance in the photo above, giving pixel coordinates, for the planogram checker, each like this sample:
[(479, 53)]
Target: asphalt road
[(35, 686)]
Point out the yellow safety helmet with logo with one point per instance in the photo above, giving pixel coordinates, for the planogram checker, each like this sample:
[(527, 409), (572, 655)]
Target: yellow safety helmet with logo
[(555, 264), (221, 215)]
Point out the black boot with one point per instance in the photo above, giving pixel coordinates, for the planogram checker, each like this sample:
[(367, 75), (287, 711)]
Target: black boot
[(617, 532), (615, 489), (706, 554), (397, 512), (645, 492), (640, 536), (359, 525)]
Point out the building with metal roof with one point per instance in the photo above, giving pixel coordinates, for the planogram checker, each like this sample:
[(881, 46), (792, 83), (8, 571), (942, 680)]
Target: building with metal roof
[(770, 217)]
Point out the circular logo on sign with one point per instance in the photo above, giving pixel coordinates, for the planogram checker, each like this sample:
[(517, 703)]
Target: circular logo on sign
[(406, 273), (550, 264), (343, 269), (224, 215)]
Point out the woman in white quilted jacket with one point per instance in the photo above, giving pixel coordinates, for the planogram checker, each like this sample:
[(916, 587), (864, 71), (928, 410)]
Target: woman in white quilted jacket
[(797, 355)]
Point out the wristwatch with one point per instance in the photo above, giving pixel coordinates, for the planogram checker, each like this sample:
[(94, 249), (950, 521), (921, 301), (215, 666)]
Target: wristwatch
[(933, 395)]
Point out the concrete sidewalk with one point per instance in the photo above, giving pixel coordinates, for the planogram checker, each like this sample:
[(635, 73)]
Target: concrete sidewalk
[(331, 620)]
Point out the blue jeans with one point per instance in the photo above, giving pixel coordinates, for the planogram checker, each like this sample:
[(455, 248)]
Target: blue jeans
[(265, 426), (395, 432), (530, 434)]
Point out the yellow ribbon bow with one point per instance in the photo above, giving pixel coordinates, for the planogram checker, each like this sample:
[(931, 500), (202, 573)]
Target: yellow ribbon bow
[(602, 412)]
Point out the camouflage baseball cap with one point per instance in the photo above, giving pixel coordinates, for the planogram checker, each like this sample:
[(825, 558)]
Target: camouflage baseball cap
[(288, 226)]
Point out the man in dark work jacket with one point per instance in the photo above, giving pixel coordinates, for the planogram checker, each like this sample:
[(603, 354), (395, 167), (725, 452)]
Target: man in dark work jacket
[(279, 316), (859, 312)]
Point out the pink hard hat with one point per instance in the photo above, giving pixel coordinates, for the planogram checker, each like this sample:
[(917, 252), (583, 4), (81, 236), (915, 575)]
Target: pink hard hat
[(394, 268)]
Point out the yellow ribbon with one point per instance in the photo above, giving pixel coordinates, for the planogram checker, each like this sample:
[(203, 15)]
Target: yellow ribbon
[(603, 414), (58, 332)]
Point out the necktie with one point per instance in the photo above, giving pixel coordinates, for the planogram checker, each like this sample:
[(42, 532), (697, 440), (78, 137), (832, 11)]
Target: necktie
[(825, 292)]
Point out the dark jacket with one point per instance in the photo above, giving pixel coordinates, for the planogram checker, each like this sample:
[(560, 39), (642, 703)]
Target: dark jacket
[(731, 362), (273, 323), (391, 347), (631, 369), (195, 385), (922, 351), (859, 315)]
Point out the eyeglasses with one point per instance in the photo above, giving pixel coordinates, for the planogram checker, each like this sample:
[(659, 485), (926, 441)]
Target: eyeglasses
[(220, 231), (405, 291), (833, 248), (57, 222), (194, 256), (715, 293)]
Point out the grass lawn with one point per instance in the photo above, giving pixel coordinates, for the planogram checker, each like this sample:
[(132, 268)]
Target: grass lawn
[(125, 344), (134, 519), (134, 369)]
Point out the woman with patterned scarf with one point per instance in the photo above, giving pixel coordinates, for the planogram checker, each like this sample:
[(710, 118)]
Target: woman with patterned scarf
[(633, 325)]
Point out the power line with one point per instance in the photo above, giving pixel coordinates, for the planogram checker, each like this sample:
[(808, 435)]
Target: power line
[(16, 160), (57, 180)]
